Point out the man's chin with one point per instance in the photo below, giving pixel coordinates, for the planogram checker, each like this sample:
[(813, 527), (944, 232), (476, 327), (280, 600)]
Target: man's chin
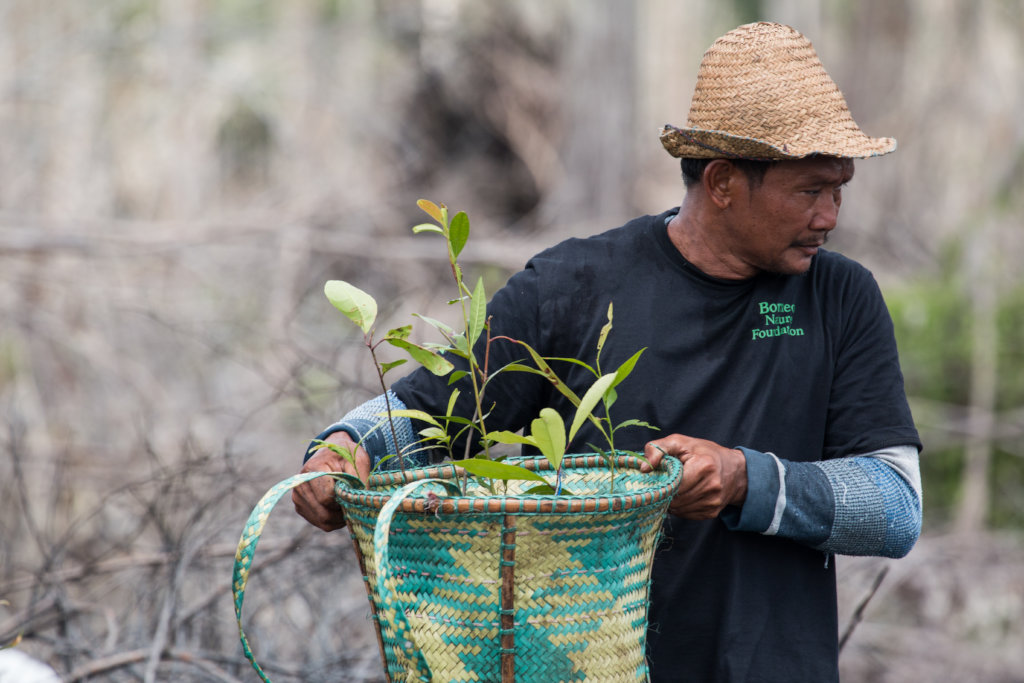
[(794, 267)]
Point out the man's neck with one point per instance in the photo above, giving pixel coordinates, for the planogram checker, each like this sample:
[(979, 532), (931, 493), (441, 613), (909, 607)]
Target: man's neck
[(694, 237)]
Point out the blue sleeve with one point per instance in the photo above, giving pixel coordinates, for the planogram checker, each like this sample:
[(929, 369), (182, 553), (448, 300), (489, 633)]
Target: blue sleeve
[(859, 505), (366, 425)]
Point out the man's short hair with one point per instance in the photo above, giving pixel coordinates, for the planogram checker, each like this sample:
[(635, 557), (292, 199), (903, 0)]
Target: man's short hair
[(693, 170)]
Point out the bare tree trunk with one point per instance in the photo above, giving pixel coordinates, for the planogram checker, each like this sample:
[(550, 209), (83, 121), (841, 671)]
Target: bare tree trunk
[(183, 162), (599, 79), (982, 294)]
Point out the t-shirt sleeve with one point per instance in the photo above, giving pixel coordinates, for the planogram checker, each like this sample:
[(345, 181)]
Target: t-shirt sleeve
[(868, 407)]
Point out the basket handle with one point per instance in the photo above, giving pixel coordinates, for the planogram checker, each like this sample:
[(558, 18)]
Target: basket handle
[(246, 551), (387, 583)]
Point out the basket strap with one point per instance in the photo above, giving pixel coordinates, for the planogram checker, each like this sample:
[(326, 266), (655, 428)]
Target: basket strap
[(387, 584), (247, 547)]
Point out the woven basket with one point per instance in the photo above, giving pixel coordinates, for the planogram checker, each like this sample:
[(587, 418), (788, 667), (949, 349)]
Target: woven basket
[(507, 587), (511, 587)]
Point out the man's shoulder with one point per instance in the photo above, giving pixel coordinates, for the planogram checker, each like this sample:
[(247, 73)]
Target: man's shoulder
[(833, 267), (609, 244)]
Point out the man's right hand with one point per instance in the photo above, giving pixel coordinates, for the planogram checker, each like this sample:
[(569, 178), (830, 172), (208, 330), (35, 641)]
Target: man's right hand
[(314, 500)]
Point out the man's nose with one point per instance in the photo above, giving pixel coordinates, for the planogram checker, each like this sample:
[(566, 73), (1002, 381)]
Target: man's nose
[(827, 211)]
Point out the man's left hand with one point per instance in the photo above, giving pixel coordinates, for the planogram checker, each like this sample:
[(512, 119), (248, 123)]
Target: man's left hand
[(713, 476)]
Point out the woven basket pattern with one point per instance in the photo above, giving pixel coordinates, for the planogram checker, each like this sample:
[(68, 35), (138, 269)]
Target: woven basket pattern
[(581, 566)]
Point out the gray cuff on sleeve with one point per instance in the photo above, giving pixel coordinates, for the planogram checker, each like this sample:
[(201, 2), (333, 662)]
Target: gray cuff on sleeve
[(765, 481)]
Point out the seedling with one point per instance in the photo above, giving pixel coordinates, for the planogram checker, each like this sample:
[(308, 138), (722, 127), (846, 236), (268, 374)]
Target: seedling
[(547, 433)]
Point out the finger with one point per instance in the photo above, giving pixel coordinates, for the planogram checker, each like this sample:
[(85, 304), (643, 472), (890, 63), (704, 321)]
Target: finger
[(308, 504), (363, 464), (654, 454), (314, 500)]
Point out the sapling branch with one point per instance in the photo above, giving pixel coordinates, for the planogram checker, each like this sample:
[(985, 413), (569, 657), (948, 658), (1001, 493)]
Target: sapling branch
[(387, 399)]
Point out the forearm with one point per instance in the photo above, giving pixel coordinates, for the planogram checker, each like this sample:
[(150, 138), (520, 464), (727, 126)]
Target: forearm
[(867, 504), (367, 425)]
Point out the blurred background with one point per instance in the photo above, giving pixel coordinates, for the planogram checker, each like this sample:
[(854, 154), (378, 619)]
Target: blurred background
[(179, 177)]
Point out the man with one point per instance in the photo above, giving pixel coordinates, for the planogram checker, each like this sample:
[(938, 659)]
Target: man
[(770, 363)]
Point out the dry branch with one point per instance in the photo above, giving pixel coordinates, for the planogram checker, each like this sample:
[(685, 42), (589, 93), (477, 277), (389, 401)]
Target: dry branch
[(123, 659)]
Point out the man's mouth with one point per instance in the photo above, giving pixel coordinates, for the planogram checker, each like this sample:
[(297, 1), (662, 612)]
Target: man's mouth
[(809, 248)]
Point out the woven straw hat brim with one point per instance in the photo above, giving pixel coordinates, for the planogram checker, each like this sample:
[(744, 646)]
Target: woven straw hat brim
[(694, 143), (763, 93)]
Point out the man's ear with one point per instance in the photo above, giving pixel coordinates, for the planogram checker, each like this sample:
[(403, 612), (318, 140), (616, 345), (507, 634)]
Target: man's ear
[(721, 180)]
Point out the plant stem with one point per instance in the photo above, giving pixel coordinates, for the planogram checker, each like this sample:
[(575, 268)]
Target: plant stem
[(474, 366), (387, 404)]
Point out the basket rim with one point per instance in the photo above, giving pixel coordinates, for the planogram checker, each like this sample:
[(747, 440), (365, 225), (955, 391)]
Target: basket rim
[(665, 480)]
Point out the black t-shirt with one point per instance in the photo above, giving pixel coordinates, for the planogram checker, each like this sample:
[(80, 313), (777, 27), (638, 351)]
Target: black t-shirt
[(802, 366)]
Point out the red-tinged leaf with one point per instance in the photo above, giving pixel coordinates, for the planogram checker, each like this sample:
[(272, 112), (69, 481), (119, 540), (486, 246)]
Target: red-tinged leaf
[(431, 209)]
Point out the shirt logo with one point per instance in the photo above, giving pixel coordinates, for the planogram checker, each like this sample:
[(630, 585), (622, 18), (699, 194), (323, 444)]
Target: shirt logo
[(778, 319)]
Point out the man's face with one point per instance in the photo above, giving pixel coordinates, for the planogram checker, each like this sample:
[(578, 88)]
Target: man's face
[(777, 226)]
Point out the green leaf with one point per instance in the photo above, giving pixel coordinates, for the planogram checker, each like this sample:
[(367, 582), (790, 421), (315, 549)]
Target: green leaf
[(357, 305), (452, 398), (610, 397), (543, 490), (477, 312), (515, 366), (431, 209), (456, 376), (434, 434), (427, 227), (548, 431), (547, 372), (458, 232), (441, 327), (339, 450), (590, 401), (627, 367), (402, 332), (412, 415), (393, 364), (459, 342), (482, 467), (511, 438), (636, 423), (425, 357), (605, 331)]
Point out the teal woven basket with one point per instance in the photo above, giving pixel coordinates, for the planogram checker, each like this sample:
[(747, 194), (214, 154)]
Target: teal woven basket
[(504, 588)]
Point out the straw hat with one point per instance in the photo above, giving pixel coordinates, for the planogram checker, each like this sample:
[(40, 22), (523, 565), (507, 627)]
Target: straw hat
[(762, 93)]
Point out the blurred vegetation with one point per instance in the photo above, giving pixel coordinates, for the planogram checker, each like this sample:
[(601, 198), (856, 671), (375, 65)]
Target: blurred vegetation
[(179, 177), (932, 315)]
